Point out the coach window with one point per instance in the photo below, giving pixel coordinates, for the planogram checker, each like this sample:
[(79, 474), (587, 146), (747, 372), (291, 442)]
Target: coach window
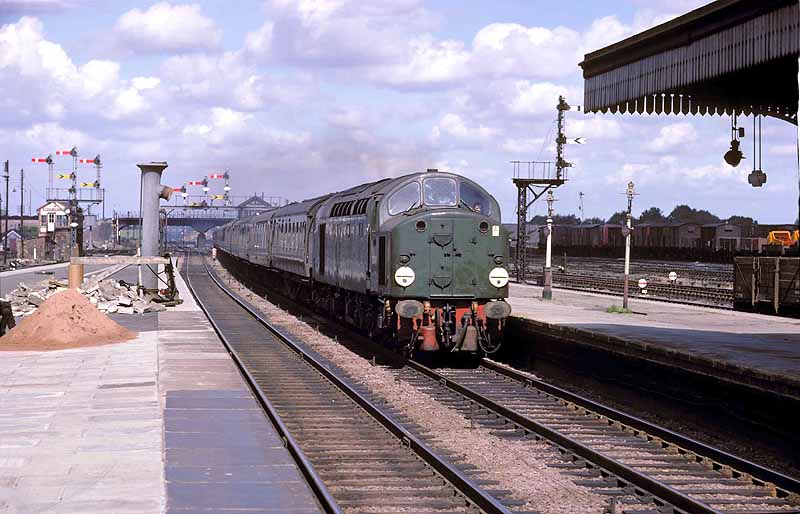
[(440, 191), (404, 199)]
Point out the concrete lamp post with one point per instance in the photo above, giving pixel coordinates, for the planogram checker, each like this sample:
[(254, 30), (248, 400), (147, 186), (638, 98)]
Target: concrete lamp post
[(547, 291)]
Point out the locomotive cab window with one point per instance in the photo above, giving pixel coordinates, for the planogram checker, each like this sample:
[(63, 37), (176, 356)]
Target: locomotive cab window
[(404, 199), (475, 199), (440, 191)]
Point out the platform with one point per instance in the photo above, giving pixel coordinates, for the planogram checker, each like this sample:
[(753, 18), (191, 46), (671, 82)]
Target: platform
[(10, 279), (750, 349), (163, 423)]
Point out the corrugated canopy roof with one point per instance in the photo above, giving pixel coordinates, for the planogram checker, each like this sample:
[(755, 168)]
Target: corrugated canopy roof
[(730, 55)]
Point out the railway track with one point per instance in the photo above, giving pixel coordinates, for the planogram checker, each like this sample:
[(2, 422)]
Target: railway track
[(715, 273), (643, 467), (687, 295), (356, 457)]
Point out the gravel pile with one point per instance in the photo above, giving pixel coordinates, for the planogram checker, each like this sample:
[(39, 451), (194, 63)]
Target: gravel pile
[(517, 466), (107, 295)]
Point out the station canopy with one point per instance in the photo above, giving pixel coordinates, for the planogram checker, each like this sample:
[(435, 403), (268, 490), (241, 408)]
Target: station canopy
[(730, 56)]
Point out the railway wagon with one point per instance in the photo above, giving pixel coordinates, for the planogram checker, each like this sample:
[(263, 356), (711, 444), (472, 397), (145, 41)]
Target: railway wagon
[(417, 261), (767, 284)]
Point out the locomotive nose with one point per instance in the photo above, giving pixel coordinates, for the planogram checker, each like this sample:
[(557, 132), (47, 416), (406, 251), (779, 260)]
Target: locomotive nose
[(465, 256)]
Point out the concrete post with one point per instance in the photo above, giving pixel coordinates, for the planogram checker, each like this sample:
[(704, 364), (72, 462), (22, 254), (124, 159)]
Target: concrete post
[(150, 195), (547, 291)]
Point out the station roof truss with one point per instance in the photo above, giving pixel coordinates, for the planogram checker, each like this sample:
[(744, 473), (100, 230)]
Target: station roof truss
[(730, 56)]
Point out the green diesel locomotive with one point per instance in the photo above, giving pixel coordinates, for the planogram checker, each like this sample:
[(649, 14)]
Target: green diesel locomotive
[(417, 261)]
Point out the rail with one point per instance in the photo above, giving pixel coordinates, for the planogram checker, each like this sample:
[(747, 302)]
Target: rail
[(607, 417), (460, 482), (321, 492)]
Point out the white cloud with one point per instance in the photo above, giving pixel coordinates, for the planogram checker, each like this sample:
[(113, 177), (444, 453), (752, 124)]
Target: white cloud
[(511, 49), (603, 32), (428, 62), (229, 79), (167, 28), (343, 32), (535, 98), (673, 136), (259, 42), (790, 149), (669, 170), (10, 8), (453, 126), (592, 127), (523, 146), (44, 82)]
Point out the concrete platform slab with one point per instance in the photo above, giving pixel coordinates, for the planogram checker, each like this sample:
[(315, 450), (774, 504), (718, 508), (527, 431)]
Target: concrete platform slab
[(752, 349), (163, 423)]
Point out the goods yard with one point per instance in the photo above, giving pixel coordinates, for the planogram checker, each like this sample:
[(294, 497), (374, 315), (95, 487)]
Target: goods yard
[(384, 341), (698, 283)]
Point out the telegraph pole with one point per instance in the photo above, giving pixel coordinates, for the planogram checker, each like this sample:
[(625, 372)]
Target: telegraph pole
[(547, 292), (630, 193), (5, 230)]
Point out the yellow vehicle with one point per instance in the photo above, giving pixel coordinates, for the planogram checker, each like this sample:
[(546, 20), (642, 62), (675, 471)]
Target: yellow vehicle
[(783, 237)]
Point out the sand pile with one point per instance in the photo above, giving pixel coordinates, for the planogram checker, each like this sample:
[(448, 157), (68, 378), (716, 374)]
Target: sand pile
[(67, 319), (108, 295)]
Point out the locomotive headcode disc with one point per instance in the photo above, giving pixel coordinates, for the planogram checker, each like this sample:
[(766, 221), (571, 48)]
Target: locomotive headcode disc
[(404, 276), (498, 277)]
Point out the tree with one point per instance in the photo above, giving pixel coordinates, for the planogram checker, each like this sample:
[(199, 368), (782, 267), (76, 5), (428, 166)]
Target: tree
[(741, 220), (652, 215), (618, 218), (558, 219), (593, 221), (685, 214)]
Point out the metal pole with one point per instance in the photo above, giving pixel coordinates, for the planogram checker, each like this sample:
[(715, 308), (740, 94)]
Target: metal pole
[(547, 292), (561, 139), (630, 193), (522, 232)]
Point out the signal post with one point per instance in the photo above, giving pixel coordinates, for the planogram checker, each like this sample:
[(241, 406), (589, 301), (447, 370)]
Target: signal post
[(630, 193)]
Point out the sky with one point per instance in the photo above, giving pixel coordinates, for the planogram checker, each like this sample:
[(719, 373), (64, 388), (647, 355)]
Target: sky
[(298, 98)]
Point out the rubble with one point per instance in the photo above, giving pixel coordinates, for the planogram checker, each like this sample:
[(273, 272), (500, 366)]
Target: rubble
[(108, 295)]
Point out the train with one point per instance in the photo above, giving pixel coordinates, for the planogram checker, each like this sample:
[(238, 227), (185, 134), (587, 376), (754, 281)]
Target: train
[(417, 262), (687, 241)]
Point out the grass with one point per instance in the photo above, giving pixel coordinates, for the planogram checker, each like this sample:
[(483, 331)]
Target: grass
[(616, 309)]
